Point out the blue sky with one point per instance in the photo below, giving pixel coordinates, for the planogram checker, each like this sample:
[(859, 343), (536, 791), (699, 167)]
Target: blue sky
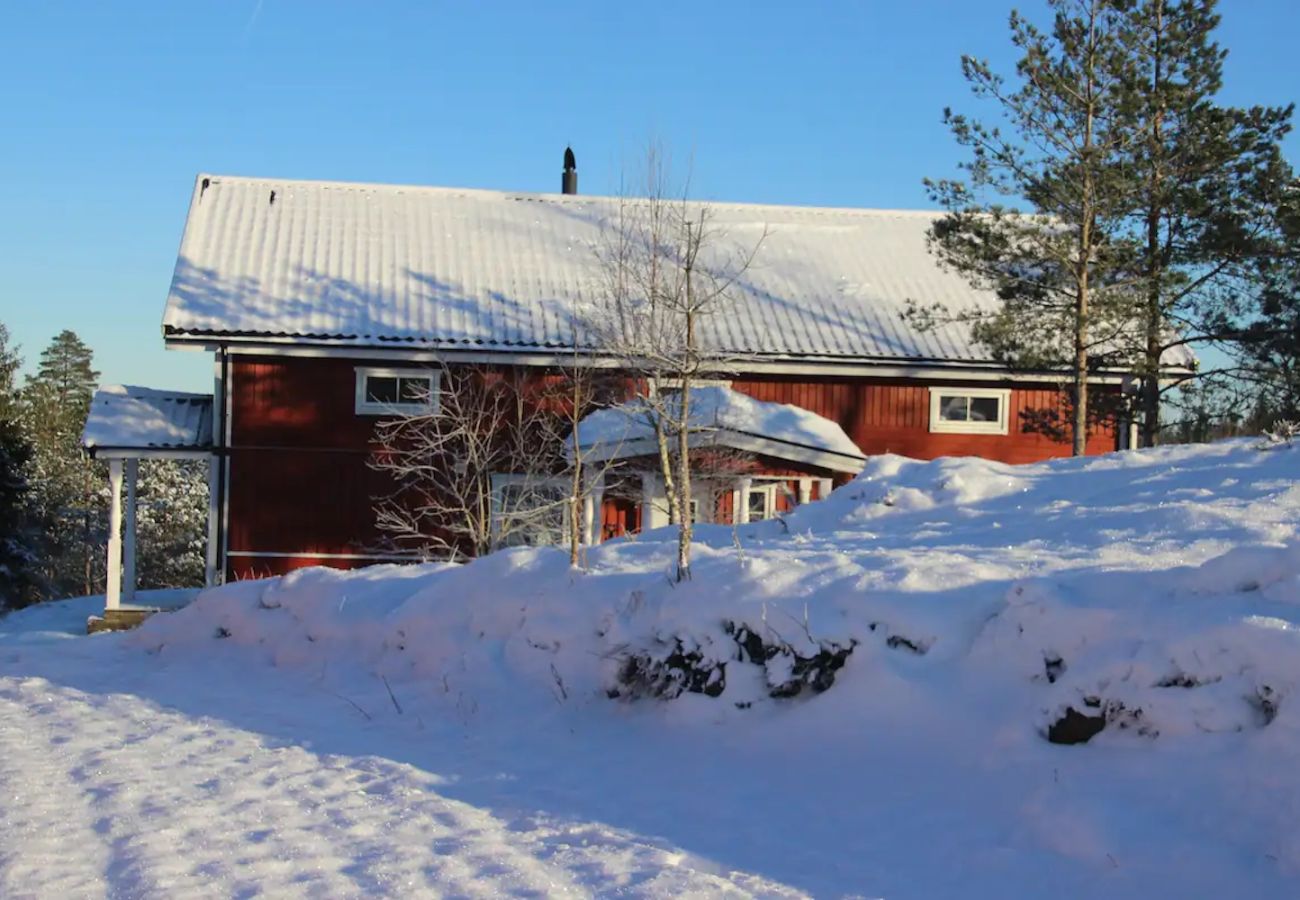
[(110, 109)]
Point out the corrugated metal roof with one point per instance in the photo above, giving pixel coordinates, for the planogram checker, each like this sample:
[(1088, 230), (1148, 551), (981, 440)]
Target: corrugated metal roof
[(125, 417), (379, 265)]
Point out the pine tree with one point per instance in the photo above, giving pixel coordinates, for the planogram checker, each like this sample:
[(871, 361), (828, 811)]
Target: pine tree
[(1271, 352), (1061, 268), (65, 380), (1207, 184), (10, 362), (69, 495)]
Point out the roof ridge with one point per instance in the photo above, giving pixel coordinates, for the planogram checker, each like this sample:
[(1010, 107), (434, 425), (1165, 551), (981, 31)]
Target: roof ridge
[(542, 196)]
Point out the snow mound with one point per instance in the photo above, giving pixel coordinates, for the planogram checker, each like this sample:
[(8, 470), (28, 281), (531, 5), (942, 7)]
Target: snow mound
[(1069, 590)]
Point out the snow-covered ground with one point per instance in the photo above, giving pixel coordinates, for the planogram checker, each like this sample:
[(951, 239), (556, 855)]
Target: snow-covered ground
[(448, 731)]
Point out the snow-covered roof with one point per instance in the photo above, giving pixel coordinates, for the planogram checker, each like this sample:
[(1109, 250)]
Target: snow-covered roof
[(384, 265), (727, 417), (128, 418)]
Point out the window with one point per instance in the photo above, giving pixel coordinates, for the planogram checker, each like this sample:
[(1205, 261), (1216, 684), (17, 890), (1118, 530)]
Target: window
[(529, 511), (383, 391), (762, 503), (969, 410)]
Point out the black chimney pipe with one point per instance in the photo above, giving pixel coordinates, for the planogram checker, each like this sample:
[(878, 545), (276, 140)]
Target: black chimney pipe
[(569, 183)]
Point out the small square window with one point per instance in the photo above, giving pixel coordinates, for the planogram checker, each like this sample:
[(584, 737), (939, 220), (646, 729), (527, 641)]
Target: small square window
[(969, 410), (396, 391), (761, 504)]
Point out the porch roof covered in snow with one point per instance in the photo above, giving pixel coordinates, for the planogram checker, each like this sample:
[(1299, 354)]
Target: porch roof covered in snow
[(137, 422), (722, 417)]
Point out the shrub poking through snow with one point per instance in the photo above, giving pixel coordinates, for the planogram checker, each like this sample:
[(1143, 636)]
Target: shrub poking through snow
[(1180, 679), (1053, 667), (1075, 727), (788, 673), (672, 668), (898, 642), (1265, 700), (667, 672)]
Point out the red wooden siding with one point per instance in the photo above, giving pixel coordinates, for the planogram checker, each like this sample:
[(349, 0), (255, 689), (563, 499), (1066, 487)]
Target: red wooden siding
[(893, 416), (299, 483)]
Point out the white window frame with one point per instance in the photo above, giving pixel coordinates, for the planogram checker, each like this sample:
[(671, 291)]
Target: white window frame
[(500, 480), (768, 492), (943, 426), (365, 407)]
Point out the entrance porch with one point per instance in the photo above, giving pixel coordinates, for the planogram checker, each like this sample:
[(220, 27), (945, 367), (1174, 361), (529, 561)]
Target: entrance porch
[(127, 424)]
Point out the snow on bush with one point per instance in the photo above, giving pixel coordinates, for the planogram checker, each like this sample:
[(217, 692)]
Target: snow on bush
[(1146, 596)]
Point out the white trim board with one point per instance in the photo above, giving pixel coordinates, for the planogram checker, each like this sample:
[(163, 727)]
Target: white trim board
[(305, 554), (891, 368)]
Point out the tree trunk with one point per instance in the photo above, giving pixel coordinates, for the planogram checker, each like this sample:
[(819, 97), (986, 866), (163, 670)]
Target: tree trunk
[(684, 487), (683, 425), (1154, 263), (1087, 210), (1081, 365), (666, 466)]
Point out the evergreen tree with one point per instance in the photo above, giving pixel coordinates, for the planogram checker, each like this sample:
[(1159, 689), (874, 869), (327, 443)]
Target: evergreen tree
[(69, 494), (1061, 267), (1272, 349), (18, 552), (17, 537), (1207, 182), (65, 380), (172, 523), (10, 362)]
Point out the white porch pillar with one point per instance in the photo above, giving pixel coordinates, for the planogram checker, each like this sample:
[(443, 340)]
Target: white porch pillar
[(654, 512), (824, 488), (588, 518), (214, 516), (805, 490), (113, 588), (595, 519), (128, 541), (741, 512)]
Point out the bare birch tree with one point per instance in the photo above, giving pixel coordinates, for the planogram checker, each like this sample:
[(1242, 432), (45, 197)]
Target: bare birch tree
[(666, 268), (486, 466)]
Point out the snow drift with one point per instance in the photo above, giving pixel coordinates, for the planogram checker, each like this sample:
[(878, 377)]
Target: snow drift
[(1122, 591), (905, 659)]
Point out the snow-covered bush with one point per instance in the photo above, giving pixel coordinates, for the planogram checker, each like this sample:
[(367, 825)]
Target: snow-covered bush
[(669, 668)]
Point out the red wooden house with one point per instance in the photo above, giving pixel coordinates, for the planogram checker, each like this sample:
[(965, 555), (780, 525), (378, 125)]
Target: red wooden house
[(323, 305)]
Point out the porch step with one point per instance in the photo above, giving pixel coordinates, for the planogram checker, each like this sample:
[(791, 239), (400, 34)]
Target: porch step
[(118, 619)]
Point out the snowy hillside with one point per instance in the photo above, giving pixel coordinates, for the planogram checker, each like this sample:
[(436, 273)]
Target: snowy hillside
[(855, 701)]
